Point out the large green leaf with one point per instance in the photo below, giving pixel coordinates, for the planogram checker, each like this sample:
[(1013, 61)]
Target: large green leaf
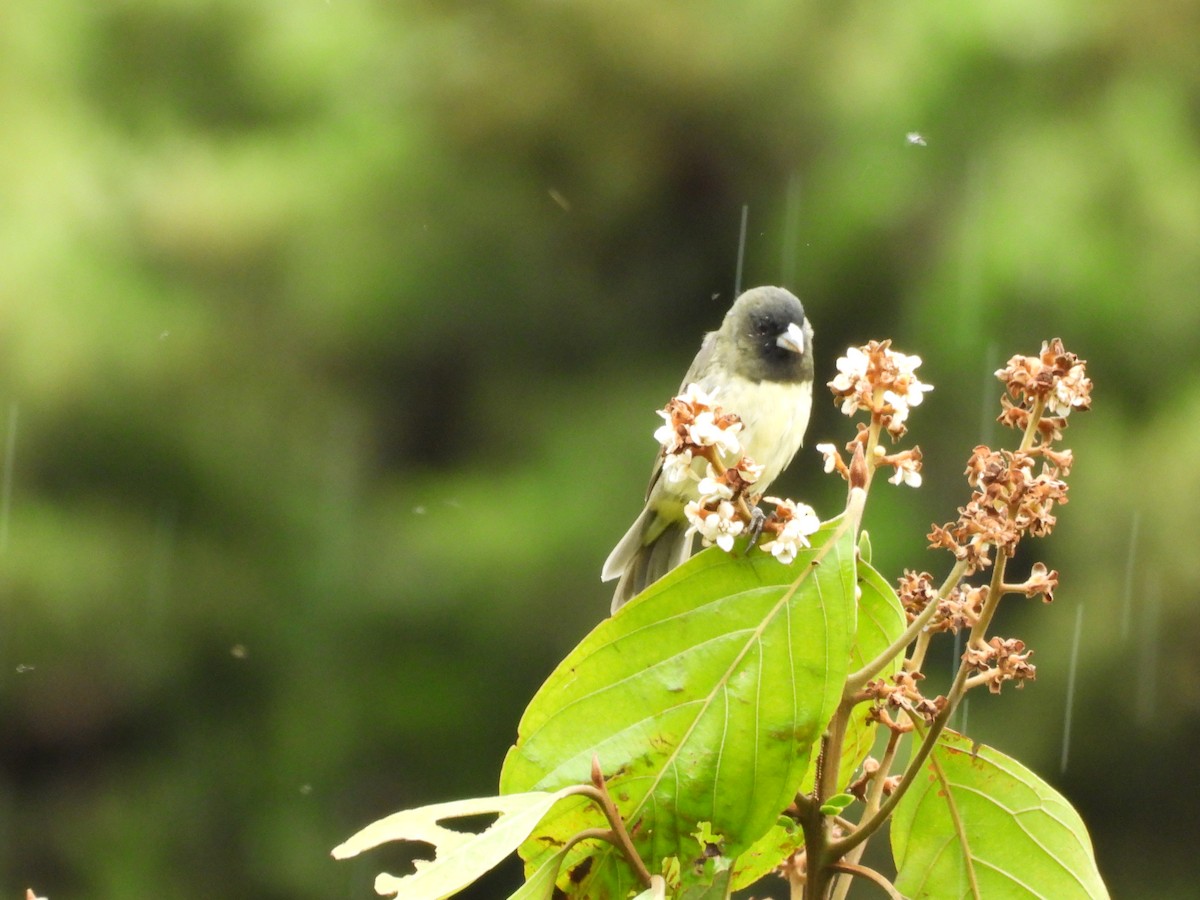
[(701, 698), (881, 620), (979, 824)]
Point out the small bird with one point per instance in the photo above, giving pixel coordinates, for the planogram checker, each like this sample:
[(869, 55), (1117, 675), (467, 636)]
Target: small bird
[(759, 365)]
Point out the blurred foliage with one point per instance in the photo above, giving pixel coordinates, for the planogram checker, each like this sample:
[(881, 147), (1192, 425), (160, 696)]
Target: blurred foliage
[(331, 333)]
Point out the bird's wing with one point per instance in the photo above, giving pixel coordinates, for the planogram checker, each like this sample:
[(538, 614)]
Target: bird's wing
[(700, 365)]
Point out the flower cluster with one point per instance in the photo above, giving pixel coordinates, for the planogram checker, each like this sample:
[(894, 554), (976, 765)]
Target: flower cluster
[(884, 383), (714, 514), (1001, 660), (1055, 378), (698, 437), (1008, 502), (959, 609), (1054, 382), (870, 770), (900, 691), (881, 381), (792, 523), (692, 423), (717, 523)]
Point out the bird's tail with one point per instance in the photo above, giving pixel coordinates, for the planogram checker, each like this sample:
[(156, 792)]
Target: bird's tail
[(643, 556)]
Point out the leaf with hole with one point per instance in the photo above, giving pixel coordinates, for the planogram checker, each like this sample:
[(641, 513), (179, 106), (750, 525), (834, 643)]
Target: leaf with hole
[(461, 856)]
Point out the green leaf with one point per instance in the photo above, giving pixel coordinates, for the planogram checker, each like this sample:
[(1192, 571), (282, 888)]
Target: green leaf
[(835, 804), (461, 857), (881, 620), (540, 885), (979, 824), (702, 699), (864, 547)]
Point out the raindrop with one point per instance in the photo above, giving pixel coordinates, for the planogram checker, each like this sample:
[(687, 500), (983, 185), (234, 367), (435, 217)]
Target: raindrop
[(239, 651), (1071, 668), (915, 139), (1147, 674), (158, 572), (22, 668), (560, 200), (791, 230), (1127, 609), (737, 281), (987, 419)]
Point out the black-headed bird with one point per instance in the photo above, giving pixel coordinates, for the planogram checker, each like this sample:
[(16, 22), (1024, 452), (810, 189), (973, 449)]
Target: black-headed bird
[(758, 365)]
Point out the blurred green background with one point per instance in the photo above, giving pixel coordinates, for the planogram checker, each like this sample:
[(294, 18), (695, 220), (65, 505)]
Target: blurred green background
[(332, 331)]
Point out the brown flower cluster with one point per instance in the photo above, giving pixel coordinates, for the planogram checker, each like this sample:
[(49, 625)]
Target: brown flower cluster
[(916, 592), (1008, 502), (901, 692), (870, 770), (1041, 581), (1001, 660), (1054, 381), (960, 609)]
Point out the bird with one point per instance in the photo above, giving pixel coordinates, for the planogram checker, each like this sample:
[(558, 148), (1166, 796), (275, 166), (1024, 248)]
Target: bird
[(757, 364)]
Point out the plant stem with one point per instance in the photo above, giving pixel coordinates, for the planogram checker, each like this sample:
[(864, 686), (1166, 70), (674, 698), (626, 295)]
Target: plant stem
[(597, 792), (858, 679), (873, 440), (874, 795), (827, 856), (871, 824), (995, 593), (870, 875), (1031, 427)]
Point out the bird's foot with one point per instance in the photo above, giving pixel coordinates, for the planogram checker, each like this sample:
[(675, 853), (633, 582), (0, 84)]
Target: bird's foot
[(757, 518)]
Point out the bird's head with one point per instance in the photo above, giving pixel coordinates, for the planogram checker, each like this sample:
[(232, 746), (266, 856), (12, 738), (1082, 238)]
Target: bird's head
[(770, 337)]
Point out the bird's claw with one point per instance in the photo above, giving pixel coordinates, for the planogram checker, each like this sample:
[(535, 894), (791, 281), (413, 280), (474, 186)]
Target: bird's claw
[(757, 518)]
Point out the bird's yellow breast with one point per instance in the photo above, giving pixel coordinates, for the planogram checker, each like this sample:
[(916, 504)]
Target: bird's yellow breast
[(774, 417)]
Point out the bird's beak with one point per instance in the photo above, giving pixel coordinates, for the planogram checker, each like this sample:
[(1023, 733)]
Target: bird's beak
[(792, 339)]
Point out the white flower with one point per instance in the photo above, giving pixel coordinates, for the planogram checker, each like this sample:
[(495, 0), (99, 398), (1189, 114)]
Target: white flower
[(801, 521), (667, 434), (705, 432), (749, 471), (852, 368), (695, 395), (906, 381), (898, 404), (850, 405), (677, 467), (719, 526), (829, 451), (1070, 391), (908, 471), (712, 489)]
